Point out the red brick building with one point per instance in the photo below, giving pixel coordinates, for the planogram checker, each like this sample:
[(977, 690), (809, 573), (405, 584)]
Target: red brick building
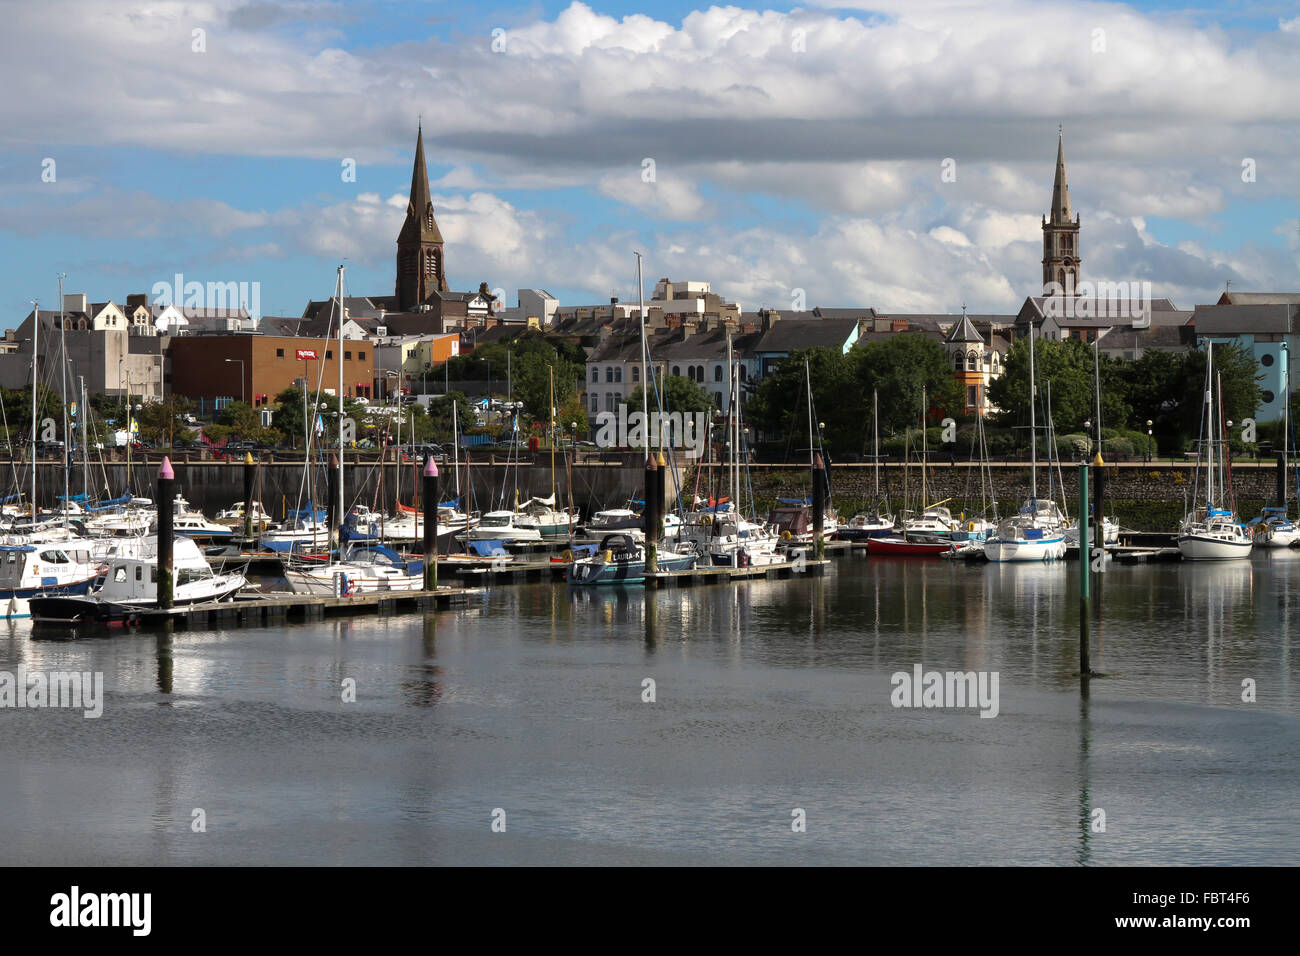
[(256, 368)]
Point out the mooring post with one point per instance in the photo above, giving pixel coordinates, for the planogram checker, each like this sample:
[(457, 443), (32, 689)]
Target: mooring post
[(430, 503), (651, 515), (1085, 569), (249, 472), (334, 520), (166, 504), (819, 505)]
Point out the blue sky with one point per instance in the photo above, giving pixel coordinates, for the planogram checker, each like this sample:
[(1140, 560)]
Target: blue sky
[(795, 148)]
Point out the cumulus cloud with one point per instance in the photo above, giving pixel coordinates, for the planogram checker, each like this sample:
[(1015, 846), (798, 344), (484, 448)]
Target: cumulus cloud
[(849, 114)]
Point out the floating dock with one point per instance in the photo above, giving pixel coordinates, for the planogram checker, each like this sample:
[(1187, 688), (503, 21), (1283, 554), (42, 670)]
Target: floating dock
[(258, 609)]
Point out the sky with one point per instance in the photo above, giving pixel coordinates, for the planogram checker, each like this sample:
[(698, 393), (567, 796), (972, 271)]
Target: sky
[(895, 154)]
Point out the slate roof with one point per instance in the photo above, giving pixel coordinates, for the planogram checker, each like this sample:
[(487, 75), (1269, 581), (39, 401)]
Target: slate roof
[(788, 335), (1246, 319)]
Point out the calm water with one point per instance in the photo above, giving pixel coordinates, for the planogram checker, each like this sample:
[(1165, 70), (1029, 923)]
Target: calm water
[(770, 696)]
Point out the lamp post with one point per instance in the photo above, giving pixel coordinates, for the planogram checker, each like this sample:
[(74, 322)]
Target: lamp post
[(1087, 427), (1148, 441), (242, 400)]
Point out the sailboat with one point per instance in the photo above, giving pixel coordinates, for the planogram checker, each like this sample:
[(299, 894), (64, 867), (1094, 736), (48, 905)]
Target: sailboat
[(876, 521), (1037, 533), (541, 513), (1213, 532)]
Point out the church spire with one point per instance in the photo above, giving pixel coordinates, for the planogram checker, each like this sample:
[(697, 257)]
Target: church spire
[(1060, 234), (420, 272), (1061, 188), (420, 224)]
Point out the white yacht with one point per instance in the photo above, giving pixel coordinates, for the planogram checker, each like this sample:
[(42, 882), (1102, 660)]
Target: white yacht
[(130, 584), (365, 569), (503, 526)]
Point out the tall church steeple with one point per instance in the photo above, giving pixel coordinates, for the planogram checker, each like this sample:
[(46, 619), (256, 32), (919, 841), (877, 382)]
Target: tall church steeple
[(1060, 235), (420, 263)]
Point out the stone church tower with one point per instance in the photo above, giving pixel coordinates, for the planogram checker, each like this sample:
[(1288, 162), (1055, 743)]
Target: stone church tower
[(1060, 235), (420, 265)]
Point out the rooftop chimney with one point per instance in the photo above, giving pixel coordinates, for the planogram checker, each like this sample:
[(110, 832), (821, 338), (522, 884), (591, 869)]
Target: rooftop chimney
[(74, 302)]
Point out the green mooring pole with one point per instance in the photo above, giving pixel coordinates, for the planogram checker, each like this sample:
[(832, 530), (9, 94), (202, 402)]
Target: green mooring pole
[(1085, 581)]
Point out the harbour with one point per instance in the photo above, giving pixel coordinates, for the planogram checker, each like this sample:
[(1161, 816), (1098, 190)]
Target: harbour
[(770, 695)]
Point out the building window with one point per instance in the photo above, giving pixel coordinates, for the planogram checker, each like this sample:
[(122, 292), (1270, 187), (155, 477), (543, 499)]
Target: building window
[(972, 396), (279, 353), (1267, 396), (1266, 360), (690, 372), (618, 374), (699, 373), (677, 370), (611, 401), (329, 354), (609, 374), (956, 361), (636, 373), (717, 373), (595, 403), (595, 374), (347, 356), (972, 362), (361, 356), (717, 399)]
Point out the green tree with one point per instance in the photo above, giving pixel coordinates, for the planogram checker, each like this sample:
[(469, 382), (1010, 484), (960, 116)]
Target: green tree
[(896, 369), (289, 418), (1067, 365), (161, 422), (780, 406), (439, 416)]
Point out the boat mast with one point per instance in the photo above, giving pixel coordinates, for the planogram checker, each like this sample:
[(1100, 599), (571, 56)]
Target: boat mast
[(732, 436), (85, 446), (550, 376), (455, 448), (925, 456), (339, 505), (1033, 428), (1096, 367), (645, 381), (36, 336), (63, 355), (1209, 417), (875, 441)]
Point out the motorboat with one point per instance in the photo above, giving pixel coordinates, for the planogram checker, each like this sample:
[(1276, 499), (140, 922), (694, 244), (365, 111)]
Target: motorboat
[(619, 559), (364, 569), (503, 526), (32, 571), (130, 585), (866, 524)]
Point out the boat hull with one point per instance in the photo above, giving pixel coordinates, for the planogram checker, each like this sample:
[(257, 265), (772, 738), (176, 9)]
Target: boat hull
[(1044, 549), (72, 610), (594, 571), (900, 548), (1196, 547)]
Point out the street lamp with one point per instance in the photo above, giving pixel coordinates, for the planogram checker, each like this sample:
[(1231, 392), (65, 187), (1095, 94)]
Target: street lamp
[(1087, 427), (241, 379), (1148, 441)]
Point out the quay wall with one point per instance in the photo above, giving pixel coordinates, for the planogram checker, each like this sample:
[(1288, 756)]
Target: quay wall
[(1146, 496)]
